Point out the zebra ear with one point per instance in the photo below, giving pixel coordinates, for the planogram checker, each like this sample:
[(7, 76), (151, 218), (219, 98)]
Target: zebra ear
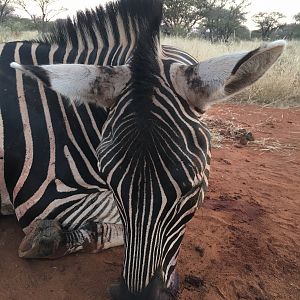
[(219, 78), (81, 83)]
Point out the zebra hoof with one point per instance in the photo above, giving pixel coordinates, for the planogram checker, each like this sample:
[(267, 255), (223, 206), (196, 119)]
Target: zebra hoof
[(43, 241)]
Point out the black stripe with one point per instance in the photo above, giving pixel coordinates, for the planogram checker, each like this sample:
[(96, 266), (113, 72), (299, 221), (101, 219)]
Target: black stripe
[(39, 72), (39, 134), (244, 59), (14, 141)]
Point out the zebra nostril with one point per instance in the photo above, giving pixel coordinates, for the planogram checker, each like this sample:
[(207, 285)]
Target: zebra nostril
[(115, 291)]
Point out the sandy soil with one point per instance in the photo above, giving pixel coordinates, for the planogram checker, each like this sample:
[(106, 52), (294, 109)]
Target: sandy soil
[(244, 243)]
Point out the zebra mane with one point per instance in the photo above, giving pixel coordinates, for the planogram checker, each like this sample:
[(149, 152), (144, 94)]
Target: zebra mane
[(118, 24), (145, 65)]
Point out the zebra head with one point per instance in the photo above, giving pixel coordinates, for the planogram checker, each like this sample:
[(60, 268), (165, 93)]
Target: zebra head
[(155, 153)]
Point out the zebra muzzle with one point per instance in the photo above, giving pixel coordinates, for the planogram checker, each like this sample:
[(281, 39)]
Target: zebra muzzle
[(156, 290)]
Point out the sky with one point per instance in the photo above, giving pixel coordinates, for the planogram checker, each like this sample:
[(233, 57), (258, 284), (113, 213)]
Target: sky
[(288, 7)]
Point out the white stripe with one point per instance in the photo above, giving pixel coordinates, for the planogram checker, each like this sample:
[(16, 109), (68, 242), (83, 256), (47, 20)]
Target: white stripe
[(51, 137), (80, 213), (53, 49), (54, 204), (136, 259), (174, 148), (87, 138), (99, 42), (119, 191), (170, 50), (111, 41), (133, 40), (98, 205), (1, 47), (26, 129), (106, 149), (75, 172), (63, 188), (6, 205), (158, 104), (95, 127), (90, 48), (150, 212), (188, 117), (78, 203), (72, 138), (110, 209), (80, 47)]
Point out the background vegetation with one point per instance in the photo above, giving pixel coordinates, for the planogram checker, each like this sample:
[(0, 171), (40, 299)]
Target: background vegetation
[(280, 87), (203, 28)]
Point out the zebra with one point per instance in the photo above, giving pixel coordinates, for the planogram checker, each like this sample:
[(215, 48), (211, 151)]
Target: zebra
[(48, 163), (154, 153)]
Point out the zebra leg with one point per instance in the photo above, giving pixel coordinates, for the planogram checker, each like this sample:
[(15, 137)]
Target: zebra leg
[(48, 240), (6, 208)]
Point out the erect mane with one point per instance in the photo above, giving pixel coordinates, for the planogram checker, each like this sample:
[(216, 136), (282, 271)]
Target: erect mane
[(145, 66), (118, 24)]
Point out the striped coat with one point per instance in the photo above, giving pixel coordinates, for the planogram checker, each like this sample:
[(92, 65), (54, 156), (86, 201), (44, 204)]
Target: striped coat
[(154, 152)]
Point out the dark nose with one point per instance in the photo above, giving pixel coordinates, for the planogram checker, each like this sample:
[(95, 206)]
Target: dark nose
[(115, 291), (154, 291)]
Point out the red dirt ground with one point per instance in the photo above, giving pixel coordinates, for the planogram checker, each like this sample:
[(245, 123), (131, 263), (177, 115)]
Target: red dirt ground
[(244, 243)]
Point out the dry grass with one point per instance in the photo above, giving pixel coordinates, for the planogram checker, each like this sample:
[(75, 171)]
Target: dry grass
[(227, 132), (271, 145), (7, 35), (280, 87), (223, 131)]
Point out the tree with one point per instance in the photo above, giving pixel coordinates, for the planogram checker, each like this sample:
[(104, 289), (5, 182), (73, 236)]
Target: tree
[(181, 15), (219, 16), (243, 33), (297, 17), (221, 22), (45, 8), (288, 32), (6, 10), (268, 23)]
